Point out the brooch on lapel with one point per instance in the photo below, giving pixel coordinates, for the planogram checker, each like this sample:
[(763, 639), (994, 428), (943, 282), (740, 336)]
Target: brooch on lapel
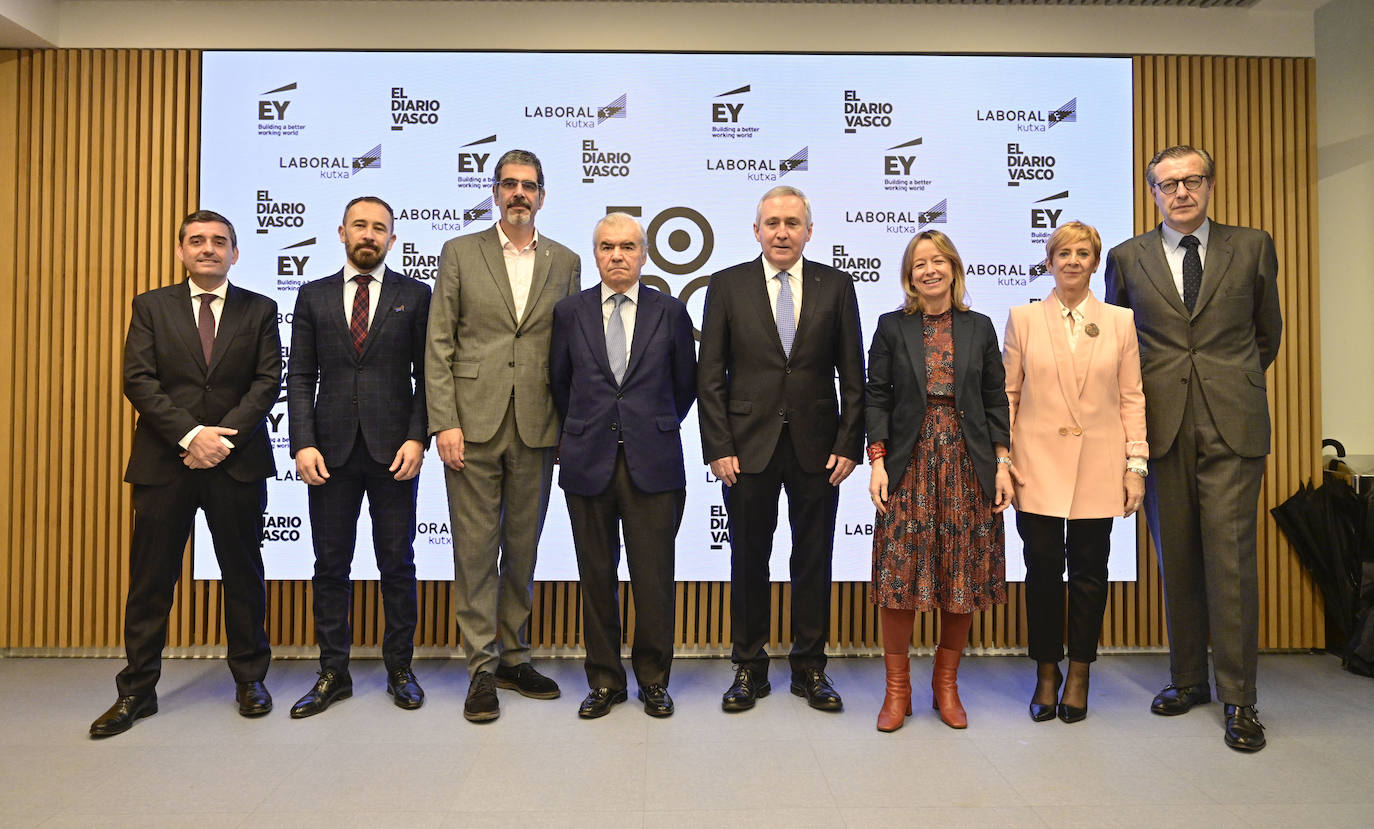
[(1090, 329)]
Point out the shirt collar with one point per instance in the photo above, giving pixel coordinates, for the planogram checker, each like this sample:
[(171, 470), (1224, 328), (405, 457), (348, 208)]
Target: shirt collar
[(632, 292), (375, 273), (1076, 311), (1172, 238), (769, 271), (222, 291), (507, 244)]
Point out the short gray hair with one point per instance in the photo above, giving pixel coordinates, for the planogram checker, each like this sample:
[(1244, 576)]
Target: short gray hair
[(619, 218), (779, 191)]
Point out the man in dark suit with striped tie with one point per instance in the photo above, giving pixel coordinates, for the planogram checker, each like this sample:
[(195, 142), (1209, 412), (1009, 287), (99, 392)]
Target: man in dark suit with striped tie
[(355, 389), (202, 367)]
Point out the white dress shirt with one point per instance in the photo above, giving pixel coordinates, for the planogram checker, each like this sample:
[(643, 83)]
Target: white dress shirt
[(351, 291), (216, 308), (519, 268), (794, 278)]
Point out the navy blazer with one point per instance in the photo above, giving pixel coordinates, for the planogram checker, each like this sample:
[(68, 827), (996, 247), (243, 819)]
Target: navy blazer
[(173, 390), (333, 392), (896, 391), (645, 410)]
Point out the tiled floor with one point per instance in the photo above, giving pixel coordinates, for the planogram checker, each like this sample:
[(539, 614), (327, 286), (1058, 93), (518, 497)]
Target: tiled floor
[(366, 763)]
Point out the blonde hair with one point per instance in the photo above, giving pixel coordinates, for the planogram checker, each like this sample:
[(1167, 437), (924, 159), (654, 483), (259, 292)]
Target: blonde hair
[(1071, 232), (911, 303)]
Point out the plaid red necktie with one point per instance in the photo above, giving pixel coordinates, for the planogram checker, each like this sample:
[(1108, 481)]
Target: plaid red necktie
[(357, 324)]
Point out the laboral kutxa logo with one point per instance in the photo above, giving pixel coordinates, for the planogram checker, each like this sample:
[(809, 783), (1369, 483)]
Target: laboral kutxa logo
[(1032, 120), (901, 221), (334, 166), (447, 218), (762, 168), (580, 116)]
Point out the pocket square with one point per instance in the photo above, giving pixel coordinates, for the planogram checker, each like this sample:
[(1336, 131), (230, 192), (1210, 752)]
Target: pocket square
[(398, 308)]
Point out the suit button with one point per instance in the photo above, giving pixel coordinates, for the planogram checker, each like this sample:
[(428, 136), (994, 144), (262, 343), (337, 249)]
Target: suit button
[(619, 396), (511, 364), (781, 413), (517, 335), (787, 370), (1183, 380), (1077, 430), (355, 400), (207, 387), (360, 369), (1193, 350), (615, 427), (1063, 431)]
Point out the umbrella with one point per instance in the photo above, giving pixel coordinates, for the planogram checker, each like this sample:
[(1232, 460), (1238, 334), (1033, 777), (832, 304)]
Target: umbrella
[(1327, 527)]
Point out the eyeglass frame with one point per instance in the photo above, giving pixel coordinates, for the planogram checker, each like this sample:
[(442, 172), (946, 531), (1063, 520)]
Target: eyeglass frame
[(1169, 186), (510, 184)]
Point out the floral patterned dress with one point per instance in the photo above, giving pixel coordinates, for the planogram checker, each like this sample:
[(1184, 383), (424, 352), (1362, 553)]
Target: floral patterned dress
[(939, 545)]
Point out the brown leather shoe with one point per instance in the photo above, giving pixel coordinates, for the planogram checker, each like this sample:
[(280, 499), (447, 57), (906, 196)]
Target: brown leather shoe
[(944, 688), (897, 700)]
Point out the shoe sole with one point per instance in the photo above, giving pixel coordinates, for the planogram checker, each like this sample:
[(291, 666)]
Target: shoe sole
[(759, 693), (255, 712), (147, 712), (511, 686), (480, 716), (1245, 748), (342, 695), (1176, 712), (799, 691), (409, 705)]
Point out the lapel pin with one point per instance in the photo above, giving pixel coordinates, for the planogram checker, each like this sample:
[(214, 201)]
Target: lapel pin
[(1090, 329)]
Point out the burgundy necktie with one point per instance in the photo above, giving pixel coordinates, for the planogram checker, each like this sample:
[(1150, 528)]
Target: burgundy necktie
[(205, 322), (357, 325)]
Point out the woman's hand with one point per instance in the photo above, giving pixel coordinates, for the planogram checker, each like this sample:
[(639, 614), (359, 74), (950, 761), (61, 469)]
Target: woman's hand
[(877, 485), (1135, 493), (1004, 488)]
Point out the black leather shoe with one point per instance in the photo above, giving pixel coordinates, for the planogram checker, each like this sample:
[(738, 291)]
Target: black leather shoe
[(404, 690), (1243, 729), (1072, 713), (599, 701), (656, 701), (329, 689), (1175, 700), (813, 684), (525, 679), (1043, 711), (253, 699), (120, 716), (744, 690), (481, 704)]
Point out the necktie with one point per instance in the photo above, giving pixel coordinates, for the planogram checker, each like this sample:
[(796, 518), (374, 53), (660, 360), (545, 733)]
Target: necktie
[(1192, 271), (615, 339), (357, 324), (205, 322), (786, 314)]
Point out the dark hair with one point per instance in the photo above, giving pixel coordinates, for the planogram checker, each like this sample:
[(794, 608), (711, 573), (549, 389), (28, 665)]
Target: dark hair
[(207, 216), (519, 157), (1180, 151), (371, 200)]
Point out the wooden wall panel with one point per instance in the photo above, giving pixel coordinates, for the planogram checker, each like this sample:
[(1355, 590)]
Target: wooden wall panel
[(100, 162)]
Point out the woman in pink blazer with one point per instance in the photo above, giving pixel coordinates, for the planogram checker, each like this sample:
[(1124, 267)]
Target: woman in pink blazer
[(1078, 458)]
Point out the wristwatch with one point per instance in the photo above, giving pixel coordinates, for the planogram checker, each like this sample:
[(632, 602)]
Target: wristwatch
[(1139, 470)]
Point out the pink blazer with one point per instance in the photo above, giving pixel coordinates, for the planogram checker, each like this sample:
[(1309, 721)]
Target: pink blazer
[(1075, 416)]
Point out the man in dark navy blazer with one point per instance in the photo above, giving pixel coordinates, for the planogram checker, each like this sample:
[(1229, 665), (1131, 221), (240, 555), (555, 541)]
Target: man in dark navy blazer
[(202, 366), (623, 372), (778, 332), (355, 390)]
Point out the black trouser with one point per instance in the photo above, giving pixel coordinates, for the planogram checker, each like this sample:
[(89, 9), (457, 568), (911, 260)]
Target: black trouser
[(163, 516), (753, 507), (650, 521), (1046, 547), (334, 509)]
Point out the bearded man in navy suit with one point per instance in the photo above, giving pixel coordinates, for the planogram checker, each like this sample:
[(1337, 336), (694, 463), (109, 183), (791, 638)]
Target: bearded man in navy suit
[(202, 367), (623, 373), (355, 388)]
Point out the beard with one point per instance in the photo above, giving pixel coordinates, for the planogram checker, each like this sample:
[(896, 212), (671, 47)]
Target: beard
[(365, 258)]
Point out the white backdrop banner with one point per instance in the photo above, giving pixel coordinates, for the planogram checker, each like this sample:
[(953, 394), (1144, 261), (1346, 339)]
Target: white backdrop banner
[(994, 151)]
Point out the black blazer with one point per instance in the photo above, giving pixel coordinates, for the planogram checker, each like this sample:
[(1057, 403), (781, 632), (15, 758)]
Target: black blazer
[(747, 386), (173, 390), (645, 410), (380, 392), (897, 391)]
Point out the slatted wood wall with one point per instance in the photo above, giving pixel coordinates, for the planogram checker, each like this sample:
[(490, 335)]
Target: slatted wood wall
[(100, 163)]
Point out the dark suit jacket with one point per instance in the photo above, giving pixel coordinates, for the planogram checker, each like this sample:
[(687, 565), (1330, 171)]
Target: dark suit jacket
[(747, 385), (645, 410), (1228, 340), (173, 390), (380, 392), (897, 391)]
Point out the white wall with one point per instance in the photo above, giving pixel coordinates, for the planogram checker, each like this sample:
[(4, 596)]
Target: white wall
[(1345, 192)]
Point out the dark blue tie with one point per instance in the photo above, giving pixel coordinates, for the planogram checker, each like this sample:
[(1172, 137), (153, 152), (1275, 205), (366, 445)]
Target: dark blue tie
[(1192, 271)]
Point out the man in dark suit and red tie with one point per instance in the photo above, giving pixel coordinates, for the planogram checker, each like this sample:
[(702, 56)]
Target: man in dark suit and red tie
[(202, 367), (355, 390), (778, 331), (623, 373), (1206, 304)]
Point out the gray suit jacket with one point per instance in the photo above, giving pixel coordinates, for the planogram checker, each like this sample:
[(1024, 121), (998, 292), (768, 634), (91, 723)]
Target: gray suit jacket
[(478, 353), (1227, 342)]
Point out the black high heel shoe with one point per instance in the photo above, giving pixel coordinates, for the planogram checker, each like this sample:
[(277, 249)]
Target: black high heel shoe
[(1043, 712), (1072, 713)]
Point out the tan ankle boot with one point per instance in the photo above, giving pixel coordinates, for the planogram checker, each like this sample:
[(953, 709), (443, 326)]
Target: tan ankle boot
[(944, 688), (897, 702)]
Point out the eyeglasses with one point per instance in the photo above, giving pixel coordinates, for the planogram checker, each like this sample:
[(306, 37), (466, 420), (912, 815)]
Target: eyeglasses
[(510, 185), (1169, 185)]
